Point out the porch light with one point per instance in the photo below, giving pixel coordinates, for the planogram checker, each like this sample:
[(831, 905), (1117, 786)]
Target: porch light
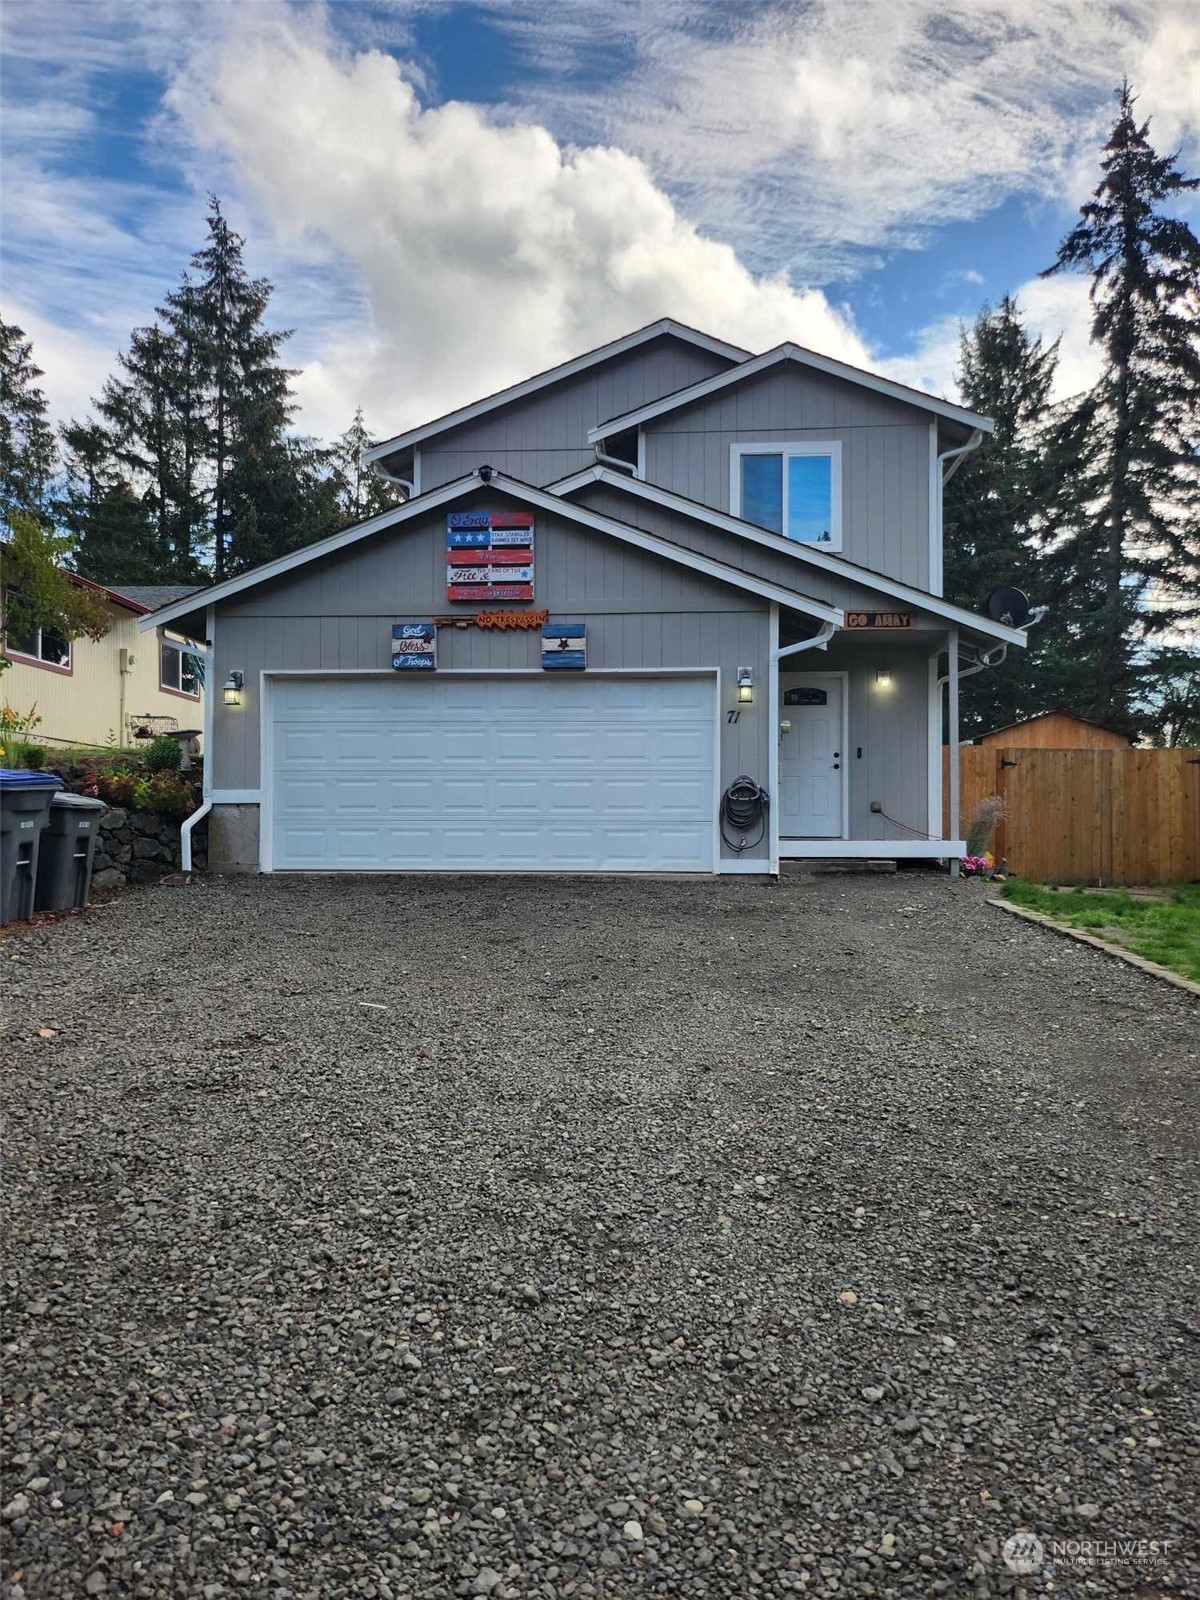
[(233, 688), (884, 677), (745, 686)]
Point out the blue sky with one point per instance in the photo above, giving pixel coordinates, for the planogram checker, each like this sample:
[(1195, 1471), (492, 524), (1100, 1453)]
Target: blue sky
[(450, 195)]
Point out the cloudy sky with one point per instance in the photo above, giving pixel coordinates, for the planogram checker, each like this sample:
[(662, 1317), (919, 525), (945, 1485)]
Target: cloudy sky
[(452, 194)]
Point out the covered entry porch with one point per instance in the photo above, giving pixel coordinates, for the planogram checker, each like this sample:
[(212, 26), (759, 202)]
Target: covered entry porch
[(859, 717)]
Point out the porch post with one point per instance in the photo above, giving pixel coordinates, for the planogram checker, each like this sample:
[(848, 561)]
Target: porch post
[(955, 771)]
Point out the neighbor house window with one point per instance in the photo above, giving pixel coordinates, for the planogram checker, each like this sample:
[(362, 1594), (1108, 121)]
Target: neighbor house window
[(177, 670), (44, 645), (792, 489)]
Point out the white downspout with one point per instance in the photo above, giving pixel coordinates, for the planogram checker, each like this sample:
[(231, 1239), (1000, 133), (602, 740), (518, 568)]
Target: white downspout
[(385, 476), (819, 641), (628, 467), (210, 706), (955, 764)]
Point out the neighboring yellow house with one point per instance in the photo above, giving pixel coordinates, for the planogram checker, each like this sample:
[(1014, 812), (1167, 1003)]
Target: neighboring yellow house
[(123, 688)]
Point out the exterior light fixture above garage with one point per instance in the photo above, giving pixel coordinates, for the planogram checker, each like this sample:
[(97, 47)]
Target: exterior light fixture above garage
[(233, 688), (745, 686)]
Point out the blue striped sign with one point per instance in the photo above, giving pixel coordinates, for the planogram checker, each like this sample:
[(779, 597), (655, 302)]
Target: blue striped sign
[(564, 646), (414, 646)]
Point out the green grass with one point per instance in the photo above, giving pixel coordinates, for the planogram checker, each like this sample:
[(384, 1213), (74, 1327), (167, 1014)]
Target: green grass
[(1166, 929)]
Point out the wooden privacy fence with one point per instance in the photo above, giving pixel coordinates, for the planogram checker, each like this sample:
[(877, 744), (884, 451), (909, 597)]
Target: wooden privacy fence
[(1087, 816)]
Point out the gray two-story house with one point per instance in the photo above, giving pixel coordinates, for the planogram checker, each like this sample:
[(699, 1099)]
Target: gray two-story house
[(610, 592)]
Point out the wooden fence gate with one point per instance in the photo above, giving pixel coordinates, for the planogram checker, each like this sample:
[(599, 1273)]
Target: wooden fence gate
[(1087, 816)]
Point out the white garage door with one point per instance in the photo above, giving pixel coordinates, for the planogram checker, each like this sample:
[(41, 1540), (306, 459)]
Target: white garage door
[(504, 773)]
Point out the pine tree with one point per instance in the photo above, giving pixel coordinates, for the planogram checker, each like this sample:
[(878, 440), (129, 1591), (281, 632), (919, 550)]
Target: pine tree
[(28, 452), (360, 494), (996, 512), (149, 416), (111, 527), (1139, 542), (247, 399)]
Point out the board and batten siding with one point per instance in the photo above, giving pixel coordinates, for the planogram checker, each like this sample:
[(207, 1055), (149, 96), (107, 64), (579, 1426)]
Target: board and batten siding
[(641, 612), (544, 436), (886, 447), (747, 555)]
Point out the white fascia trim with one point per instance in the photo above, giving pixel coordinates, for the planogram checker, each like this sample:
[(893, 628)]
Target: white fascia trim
[(568, 369), (810, 553), (530, 496), (795, 447), (805, 358)]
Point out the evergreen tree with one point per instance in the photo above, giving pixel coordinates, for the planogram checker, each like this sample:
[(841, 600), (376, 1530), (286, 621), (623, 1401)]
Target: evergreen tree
[(360, 494), (247, 398), (150, 415), (111, 528), (996, 513), (1137, 545), (28, 452)]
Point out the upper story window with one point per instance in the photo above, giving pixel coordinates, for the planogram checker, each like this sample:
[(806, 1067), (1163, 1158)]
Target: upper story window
[(46, 646), (177, 670), (792, 489)]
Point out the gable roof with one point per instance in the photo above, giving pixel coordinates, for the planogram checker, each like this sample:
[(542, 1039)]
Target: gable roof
[(771, 358), (566, 369), (529, 495), (1052, 711), (836, 566)]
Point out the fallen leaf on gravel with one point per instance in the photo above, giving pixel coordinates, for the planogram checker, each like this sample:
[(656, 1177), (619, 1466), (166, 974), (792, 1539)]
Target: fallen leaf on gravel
[(47, 1033)]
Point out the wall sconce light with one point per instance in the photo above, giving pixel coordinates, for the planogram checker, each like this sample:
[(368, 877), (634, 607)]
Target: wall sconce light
[(745, 686), (233, 688), (884, 677)]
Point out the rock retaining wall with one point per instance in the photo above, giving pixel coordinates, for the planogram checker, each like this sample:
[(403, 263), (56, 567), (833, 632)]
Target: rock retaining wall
[(139, 846)]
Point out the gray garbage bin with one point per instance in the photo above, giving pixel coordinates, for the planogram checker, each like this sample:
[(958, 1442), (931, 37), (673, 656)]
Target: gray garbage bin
[(64, 869), (24, 803)]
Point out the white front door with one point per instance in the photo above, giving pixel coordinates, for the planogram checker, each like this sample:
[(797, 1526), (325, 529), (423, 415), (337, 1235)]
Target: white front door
[(812, 765)]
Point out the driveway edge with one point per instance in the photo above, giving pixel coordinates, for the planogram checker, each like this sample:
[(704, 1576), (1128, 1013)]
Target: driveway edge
[(1140, 962)]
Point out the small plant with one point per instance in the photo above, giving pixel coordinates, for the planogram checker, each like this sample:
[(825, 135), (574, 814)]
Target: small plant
[(164, 792), (35, 756), (989, 814), (164, 754)]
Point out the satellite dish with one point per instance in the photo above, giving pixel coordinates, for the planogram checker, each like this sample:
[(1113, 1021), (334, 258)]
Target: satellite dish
[(1008, 605)]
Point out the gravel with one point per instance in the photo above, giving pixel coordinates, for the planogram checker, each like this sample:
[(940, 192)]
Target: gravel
[(709, 1238)]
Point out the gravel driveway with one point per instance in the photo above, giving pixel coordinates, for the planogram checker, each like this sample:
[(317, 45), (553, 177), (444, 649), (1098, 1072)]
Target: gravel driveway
[(709, 1238)]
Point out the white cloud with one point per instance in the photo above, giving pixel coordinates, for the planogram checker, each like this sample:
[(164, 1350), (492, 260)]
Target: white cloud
[(812, 134), (484, 252), (1051, 308)]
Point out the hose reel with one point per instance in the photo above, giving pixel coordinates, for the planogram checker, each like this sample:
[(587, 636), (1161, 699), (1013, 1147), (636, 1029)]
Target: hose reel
[(744, 808)]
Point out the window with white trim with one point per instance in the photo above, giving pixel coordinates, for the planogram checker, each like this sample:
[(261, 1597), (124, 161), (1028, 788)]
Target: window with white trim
[(792, 489), (177, 669)]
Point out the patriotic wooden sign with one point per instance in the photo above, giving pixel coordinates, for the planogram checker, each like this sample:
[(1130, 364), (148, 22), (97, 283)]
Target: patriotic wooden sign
[(564, 646), (414, 646), (489, 555)]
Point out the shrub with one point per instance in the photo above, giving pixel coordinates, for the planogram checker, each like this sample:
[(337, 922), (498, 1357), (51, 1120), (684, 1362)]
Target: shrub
[(35, 756), (164, 792), (163, 754)]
